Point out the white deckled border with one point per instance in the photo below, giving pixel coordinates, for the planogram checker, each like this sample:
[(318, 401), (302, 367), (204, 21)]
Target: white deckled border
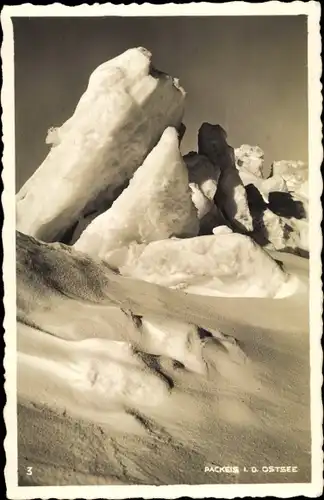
[(273, 8), (315, 157)]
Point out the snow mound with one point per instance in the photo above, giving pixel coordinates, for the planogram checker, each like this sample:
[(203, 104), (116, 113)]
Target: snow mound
[(229, 265), (118, 120), (111, 370), (103, 373), (156, 204)]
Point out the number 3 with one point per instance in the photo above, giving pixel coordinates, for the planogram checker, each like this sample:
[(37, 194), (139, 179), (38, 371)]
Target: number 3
[(29, 471)]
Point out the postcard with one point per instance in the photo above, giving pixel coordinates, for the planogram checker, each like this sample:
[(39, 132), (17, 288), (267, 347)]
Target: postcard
[(162, 250)]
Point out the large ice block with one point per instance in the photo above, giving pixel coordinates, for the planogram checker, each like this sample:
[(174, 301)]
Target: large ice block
[(118, 120), (156, 205)]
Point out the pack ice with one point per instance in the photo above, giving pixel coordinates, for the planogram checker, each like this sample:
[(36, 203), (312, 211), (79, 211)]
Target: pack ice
[(117, 121), (149, 341)]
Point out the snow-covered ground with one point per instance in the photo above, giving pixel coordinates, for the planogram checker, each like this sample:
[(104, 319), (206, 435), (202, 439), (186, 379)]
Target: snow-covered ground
[(106, 397)]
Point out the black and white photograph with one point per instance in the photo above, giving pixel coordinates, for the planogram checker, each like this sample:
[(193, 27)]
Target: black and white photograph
[(162, 244)]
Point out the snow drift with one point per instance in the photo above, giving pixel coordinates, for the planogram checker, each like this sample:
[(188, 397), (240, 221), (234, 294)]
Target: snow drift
[(110, 367), (223, 264)]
